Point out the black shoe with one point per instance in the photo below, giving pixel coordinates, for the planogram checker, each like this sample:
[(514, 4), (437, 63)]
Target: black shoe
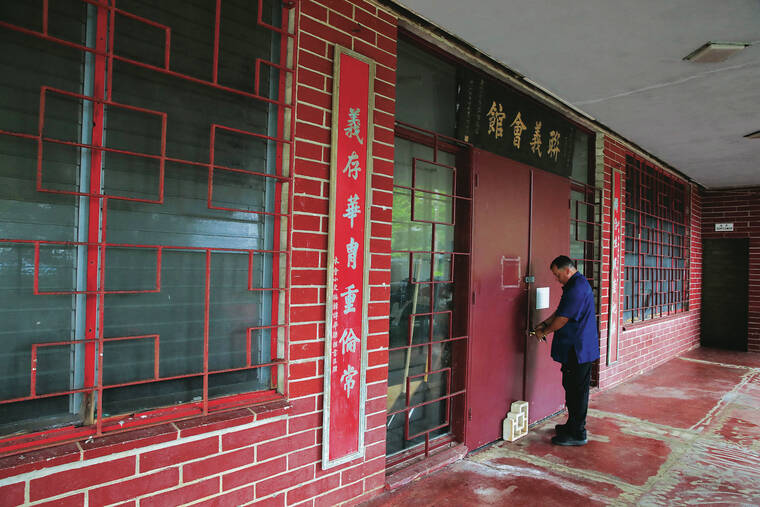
[(565, 439), (560, 429)]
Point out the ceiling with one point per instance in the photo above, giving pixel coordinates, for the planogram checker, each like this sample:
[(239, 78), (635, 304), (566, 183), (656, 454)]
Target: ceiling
[(621, 62)]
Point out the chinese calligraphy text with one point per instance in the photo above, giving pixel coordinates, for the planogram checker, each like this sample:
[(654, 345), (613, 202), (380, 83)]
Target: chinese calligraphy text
[(350, 182), (495, 120), (495, 117)]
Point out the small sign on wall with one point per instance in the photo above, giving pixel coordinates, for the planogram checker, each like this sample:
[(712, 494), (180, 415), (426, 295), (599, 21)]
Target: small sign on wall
[(542, 298), (727, 227)]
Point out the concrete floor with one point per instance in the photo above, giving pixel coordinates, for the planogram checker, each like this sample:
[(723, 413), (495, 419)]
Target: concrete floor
[(687, 432)]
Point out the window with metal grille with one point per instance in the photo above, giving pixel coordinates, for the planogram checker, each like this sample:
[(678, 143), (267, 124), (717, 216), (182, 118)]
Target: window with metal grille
[(586, 222), (144, 209), (428, 318), (656, 243), (585, 214), (430, 261)]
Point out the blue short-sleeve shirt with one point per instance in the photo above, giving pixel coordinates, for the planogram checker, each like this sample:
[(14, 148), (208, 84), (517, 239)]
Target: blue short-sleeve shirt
[(580, 332)]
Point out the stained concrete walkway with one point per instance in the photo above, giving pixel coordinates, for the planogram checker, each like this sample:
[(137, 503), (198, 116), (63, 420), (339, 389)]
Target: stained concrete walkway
[(687, 432)]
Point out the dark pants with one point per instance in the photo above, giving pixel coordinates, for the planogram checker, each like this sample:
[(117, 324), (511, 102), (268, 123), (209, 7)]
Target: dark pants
[(576, 379)]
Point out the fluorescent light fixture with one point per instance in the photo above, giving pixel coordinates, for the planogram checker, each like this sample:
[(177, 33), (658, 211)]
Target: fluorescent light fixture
[(753, 135), (713, 52)]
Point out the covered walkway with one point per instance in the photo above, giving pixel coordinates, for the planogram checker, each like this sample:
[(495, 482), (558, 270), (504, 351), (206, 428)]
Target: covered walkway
[(684, 433)]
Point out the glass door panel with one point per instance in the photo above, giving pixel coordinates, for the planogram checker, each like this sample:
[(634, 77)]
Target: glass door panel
[(426, 261)]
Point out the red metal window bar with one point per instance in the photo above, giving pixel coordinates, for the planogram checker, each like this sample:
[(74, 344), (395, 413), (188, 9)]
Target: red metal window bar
[(586, 240), (437, 215), (656, 243), (585, 233), (106, 16)]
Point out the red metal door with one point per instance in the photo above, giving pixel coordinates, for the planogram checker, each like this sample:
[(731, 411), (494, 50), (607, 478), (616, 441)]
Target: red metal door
[(510, 241), (550, 237), (501, 199)]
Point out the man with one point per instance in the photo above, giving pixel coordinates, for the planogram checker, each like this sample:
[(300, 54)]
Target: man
[(575, 345)]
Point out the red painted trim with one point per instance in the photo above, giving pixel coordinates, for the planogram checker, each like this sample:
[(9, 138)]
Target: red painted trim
[(93, 223)]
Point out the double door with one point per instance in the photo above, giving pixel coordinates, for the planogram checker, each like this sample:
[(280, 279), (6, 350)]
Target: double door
[(521, 222)]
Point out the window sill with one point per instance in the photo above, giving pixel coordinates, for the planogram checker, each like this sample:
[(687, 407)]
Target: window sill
[(46, 449), (652, 322)]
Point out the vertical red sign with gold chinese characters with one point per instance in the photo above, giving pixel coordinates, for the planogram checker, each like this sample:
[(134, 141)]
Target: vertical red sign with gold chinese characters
[(348, 258), (616, 261)]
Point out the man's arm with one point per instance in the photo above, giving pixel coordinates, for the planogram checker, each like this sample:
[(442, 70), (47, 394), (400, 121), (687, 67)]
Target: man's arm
[(544, 324), (550, 325)]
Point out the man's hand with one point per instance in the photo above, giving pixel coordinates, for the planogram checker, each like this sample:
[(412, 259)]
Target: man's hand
[(540, 335), (555, 322), (540, 332)]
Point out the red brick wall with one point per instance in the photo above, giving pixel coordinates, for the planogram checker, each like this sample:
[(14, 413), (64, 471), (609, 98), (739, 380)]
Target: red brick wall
[(270, 454), (742, 207), (646, 345)]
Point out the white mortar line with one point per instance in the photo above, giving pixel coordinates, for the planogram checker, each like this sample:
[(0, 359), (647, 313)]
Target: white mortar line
[(137, 451)]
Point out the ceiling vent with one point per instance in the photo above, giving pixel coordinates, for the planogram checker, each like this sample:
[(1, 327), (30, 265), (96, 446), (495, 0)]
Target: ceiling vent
[(714, 52), (753, 135)]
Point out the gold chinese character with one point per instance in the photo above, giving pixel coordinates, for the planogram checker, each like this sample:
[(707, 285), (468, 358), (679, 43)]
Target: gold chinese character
[(553, 150), (535, 143), (495, 120), (518, 127)]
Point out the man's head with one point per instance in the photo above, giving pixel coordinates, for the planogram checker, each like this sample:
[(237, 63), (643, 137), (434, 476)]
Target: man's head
[(563, 268)]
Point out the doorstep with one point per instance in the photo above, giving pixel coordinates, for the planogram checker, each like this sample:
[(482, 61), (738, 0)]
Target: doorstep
[(424, 467)]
